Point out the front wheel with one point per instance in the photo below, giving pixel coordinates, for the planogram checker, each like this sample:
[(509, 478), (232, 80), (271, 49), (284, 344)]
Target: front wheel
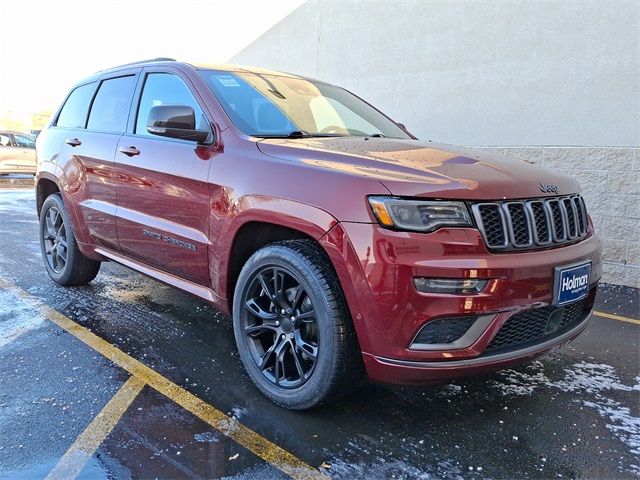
[(64, 262), (292, 327)]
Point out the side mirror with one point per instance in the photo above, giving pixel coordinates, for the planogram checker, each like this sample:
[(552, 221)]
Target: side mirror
[(175, 121)]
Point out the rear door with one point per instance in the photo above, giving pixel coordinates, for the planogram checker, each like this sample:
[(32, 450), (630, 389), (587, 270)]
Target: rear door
[(6, 152), (25, 148), (87, 155), (162, 188)]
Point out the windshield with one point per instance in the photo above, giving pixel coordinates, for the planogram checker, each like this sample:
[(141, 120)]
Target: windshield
[(277, 106)]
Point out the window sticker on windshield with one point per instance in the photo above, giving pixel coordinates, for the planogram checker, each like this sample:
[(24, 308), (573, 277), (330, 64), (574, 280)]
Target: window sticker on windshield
[(227, 81)]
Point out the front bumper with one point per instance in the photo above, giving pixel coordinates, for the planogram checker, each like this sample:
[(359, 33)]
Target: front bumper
[(376, 267), (416, 372)]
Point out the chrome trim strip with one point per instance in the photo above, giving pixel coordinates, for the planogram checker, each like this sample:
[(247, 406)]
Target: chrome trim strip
[(469, 338), (100, 206), (492, 358)]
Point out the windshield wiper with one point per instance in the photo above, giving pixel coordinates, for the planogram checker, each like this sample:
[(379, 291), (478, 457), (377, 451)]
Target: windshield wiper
[(379, 135), (300, 134)]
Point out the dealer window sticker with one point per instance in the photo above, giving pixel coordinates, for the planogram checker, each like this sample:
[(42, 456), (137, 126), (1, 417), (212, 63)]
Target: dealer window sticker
[(227, 81)]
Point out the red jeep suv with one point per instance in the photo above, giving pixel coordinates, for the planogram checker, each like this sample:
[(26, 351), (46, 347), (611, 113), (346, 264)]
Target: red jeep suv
[(338, 242)]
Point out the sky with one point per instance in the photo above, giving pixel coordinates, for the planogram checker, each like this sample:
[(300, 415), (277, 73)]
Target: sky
[(50, 45)]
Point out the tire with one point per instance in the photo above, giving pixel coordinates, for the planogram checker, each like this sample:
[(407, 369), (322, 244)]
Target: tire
[(64, 262), (321, 336)]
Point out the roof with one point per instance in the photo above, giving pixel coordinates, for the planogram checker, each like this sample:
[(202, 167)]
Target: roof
[(225, 67), (15, 132)]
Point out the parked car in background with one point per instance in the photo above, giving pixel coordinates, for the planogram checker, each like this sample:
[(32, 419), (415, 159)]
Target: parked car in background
[(17, 153), (35, 133), (339, 243)]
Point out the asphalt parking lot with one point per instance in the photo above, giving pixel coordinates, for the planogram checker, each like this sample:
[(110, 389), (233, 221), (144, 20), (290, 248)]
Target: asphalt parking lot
[(128, 378)]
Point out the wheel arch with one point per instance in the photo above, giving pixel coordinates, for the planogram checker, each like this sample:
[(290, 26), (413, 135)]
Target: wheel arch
[(45, 186), (262, 221)]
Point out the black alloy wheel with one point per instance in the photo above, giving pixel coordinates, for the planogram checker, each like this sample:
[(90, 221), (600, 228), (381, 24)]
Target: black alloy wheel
[(292, 327), (280, 325), (55, 240), (65, 263)]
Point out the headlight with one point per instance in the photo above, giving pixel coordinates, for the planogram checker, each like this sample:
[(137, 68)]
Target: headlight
[(419, 215)]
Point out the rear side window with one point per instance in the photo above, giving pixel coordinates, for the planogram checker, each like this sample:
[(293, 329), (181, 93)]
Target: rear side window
[(110, 107), (74, 111), (166, 89)]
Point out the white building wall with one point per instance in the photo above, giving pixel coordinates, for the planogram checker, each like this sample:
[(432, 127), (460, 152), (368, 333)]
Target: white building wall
[(557, 76)]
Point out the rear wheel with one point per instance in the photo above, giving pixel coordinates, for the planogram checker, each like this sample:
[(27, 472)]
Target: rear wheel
[(292, 327), (64, 262)]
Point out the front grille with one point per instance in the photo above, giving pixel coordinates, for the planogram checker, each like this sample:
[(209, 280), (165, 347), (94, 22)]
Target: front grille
[(537, 325), (444, 330), (527, 224)]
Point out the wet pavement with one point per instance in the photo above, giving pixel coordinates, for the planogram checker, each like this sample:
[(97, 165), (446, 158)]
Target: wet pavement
[(572, 414)]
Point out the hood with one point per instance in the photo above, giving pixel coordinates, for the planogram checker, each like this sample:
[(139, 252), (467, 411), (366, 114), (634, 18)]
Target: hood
[(423, 169)]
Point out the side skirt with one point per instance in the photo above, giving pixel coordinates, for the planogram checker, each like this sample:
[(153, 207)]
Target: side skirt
[(193, 288)]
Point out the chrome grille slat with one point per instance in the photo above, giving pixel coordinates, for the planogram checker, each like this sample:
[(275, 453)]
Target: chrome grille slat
[(582, 217), (535, 223), (540, 221), (518, 224)]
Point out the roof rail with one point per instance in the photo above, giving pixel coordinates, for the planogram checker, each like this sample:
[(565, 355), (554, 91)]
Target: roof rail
[(149, 60)]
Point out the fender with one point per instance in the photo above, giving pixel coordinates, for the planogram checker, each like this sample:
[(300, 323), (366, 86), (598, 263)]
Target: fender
[(52, 171), (353, 280), (307, 219)]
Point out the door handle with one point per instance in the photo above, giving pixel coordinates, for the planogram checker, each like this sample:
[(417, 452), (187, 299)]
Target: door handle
[(129, 151), (74, 142)]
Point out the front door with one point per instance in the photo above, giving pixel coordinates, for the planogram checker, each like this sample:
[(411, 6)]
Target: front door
[(162, 188)]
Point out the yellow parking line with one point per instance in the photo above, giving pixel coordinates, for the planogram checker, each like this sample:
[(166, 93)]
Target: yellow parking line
[(616, 317), (75, 459), (252, 441)]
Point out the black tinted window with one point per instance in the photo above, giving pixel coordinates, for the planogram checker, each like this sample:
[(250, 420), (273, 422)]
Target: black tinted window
[(110, 108), (166, 89), (75, 109)]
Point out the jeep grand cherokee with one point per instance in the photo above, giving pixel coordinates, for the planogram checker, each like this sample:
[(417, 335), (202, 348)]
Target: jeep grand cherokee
[(339, 243)]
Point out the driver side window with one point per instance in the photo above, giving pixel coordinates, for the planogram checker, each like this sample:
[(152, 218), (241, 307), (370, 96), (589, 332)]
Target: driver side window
[(166, 89)]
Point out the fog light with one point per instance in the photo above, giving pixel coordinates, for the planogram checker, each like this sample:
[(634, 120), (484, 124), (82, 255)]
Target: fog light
[(446, 285)]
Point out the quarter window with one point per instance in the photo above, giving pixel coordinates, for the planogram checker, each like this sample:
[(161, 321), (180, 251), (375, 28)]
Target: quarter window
[(74, 112), (166, 89), (110, 108)]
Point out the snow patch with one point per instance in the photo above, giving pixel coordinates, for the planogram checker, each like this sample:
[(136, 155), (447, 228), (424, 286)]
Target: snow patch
[(383, 469), (584, 378), (207, 437), (16, 318), (18, 201)]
